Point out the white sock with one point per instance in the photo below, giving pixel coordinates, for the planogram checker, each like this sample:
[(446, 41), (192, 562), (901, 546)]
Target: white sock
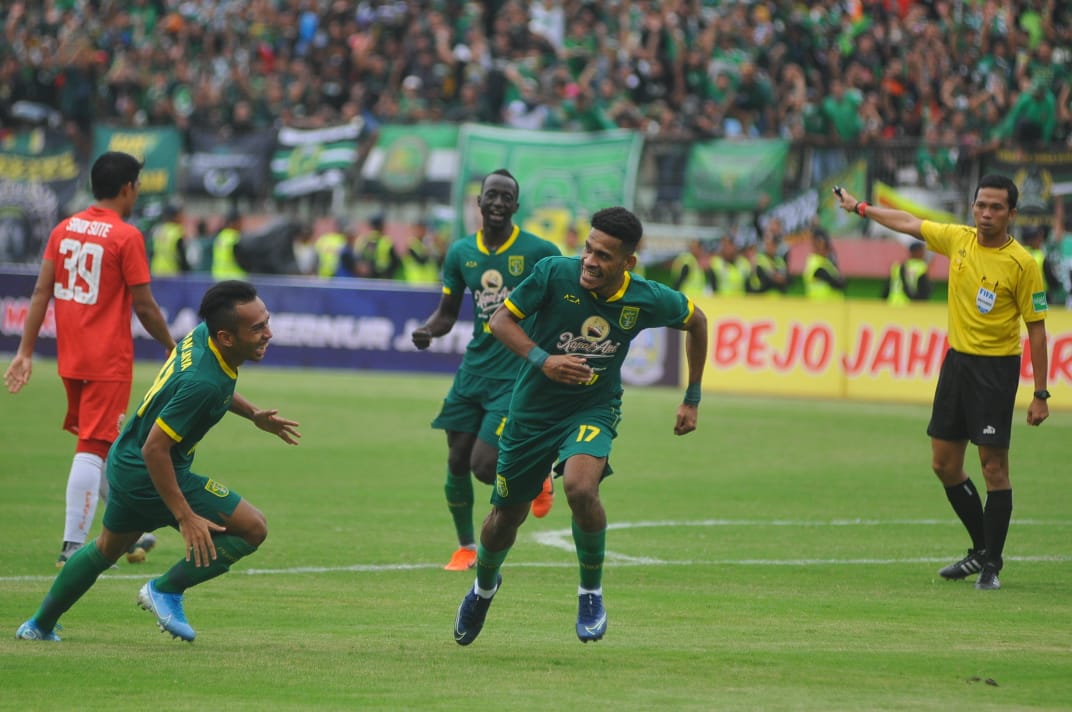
[(484, 593), (581, 591), (83, 493)]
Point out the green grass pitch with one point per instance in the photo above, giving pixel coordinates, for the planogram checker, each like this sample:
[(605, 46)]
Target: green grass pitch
[(782, 557)]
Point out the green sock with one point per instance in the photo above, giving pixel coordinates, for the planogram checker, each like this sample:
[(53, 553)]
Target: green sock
[(77, 576), (184, 574), (591, 550), (459, 491), (488, 564)]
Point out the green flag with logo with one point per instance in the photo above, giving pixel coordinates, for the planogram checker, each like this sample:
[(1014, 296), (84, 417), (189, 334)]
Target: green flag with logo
[(731, 176), (313, 160), (562, 175), (413, 160)]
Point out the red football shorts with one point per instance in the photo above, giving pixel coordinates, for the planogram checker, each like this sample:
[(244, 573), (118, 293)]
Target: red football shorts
[(95, 409)]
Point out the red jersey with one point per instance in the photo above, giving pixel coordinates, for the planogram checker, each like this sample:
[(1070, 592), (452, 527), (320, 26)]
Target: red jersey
[(98, 257)]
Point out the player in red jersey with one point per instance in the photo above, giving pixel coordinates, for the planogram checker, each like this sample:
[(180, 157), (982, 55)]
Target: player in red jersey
[(95, 268)]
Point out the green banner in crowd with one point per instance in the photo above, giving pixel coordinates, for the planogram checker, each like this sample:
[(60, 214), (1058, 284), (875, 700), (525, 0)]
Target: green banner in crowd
[(38, 178), (417, 160), (730, 176), (1042, 176), (314, 160), (158, 148), (569, 175)]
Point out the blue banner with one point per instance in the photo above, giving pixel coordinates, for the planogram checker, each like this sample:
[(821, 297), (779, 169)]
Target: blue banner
[(346, 324)]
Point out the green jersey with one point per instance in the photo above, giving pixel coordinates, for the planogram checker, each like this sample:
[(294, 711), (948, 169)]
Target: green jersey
[(191, 393), (491, 276), (567, 319)]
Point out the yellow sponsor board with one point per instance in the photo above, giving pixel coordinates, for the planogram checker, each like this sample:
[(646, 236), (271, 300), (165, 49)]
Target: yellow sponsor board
[(774, 346), (859, 349)]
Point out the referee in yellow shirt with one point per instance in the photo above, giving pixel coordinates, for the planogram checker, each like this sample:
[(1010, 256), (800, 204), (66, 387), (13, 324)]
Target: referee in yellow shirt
[(993, 284)]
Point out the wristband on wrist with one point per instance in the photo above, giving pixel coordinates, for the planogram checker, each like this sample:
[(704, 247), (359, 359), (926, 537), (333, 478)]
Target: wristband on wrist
[(692, 394), (537, 356), (861, 209)]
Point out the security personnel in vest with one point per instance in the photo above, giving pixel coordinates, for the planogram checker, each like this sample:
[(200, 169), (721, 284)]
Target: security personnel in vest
[(224, 263), (379, 251), (730, 270), (169, 244), (690, 273), (329, 247), (770, 273), (822, 279), (1034, 239), (908, 280), (419, 265)]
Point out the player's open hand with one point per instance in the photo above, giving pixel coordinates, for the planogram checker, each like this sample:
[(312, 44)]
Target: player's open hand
[(197, 533), (18, 373), (270, 422), (686, 419)]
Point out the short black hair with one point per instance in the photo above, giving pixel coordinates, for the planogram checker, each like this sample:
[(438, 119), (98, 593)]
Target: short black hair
[(111, 171), (505, 173), (218, 305), (621, 223), (996, 180)]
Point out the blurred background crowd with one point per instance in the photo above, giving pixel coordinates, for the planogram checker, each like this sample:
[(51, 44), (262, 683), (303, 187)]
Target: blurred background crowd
[(955, 78), (965, 73)]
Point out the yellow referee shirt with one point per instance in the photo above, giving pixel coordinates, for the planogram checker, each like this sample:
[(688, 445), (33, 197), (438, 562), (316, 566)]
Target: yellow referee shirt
[(990, 290)]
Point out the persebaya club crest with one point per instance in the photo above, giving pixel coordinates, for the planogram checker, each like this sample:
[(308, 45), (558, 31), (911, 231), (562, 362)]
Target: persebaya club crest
[(628, 318), (516, 265)]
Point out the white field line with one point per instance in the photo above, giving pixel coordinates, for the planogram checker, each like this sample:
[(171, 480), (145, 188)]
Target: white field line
[(563, 539)]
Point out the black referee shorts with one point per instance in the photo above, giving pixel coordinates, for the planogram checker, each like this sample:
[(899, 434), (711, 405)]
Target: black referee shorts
[(975, 399)]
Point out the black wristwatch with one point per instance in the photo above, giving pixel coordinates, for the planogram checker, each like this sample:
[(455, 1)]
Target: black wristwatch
[(1043, 394)]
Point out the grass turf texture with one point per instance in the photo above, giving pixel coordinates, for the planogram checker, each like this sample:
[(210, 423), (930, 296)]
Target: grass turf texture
[(782, 557)]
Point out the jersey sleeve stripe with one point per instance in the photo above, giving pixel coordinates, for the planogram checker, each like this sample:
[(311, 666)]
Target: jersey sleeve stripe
[(167, 429), (513, 309)]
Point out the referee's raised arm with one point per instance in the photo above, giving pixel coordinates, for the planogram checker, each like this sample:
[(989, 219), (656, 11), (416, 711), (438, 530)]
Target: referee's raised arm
[(892, 218)]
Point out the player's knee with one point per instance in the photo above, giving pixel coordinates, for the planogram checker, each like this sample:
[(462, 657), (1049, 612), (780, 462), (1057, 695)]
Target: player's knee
[(255, 528), (458, 464), (996, 474), (581, 494), (484, 471)]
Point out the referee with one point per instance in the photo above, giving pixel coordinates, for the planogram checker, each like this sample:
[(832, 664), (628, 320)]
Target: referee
[(993, 284)]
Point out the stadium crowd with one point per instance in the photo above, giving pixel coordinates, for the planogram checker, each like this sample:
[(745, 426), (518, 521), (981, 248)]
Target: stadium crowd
[(960, 74)]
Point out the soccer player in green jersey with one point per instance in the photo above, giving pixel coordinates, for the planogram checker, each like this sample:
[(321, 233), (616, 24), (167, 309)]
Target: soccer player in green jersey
[(490, 264), (582, 315), (149, 468), (994, 284)]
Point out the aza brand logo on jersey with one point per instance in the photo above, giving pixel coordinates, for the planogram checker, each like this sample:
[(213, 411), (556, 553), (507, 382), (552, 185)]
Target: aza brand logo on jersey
[(492, 291)]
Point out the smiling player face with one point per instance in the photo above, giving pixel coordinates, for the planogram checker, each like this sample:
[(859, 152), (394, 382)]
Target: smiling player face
[(251, 337), (604, 263), (498, 203)]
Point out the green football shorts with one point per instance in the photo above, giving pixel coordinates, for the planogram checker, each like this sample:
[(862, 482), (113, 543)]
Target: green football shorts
[(527, 451), (476, 405), (142, 510)]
